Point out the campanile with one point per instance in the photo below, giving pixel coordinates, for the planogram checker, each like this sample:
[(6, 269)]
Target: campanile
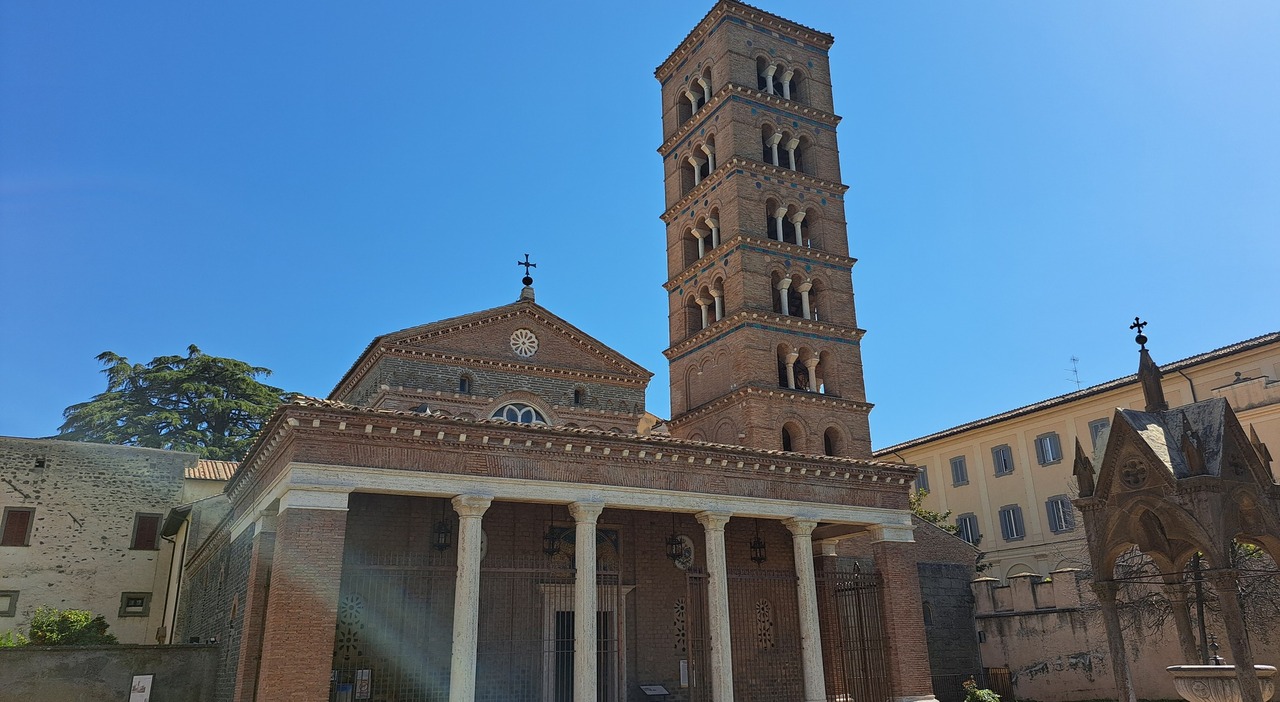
[(764, 339)]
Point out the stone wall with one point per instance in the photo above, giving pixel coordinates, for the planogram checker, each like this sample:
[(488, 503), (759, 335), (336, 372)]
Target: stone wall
[(93, 673), (85, 497)]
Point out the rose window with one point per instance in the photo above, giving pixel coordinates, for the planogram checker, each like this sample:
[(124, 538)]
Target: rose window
[(524, 343)]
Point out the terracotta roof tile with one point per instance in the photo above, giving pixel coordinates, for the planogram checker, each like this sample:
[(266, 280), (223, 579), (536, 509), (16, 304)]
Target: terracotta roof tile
[(212, 470)]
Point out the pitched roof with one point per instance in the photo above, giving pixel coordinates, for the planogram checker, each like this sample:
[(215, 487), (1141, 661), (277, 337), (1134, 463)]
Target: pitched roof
[(1162, 432), (1238, 347), (205, 469), (623, 364)]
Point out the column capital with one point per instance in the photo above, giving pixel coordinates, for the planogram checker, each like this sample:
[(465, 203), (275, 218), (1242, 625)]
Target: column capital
[(585, 512), (784, 283), (811, 362), (715, 293), (891, 532), (296, 498), (798, 217), (773, 140), (805, 287), (471, 505), (712, 222), (696, 162), (786, 75), (827, 547), (773, 68), (792, 143), (699, 233), (791, 357), (713, 521), (800, 528)]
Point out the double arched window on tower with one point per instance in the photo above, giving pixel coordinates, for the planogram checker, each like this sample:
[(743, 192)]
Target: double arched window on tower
[(705, 307), (796, 295), (696, 94), (777, 78), (791, 223), (702, 237), (806, 369), (697, 163), (783, 148)]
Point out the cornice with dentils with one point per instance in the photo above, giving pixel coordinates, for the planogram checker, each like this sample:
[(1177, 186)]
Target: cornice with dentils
[(722, 97), (755, 15), (700, 190)]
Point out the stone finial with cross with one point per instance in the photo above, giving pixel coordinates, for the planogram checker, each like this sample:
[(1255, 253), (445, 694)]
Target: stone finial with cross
[(1138, 324), (527, 280)]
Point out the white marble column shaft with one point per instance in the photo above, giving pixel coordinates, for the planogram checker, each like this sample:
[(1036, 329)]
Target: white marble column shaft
[(584, 600), (713, 524), (815, 687), (466, 597)]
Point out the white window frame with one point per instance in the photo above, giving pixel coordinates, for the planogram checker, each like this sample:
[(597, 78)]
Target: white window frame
[(1097, 428), (1012, 527), (1061, 514), (996, 452), (967, 528), (1048, 448)]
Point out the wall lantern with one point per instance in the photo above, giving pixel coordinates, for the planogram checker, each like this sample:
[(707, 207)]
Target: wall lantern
[(441, 536), (675, 547), (757, 547), (551, 539)]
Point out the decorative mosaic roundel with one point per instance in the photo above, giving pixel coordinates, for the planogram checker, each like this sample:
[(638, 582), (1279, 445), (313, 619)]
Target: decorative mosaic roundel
[(524, 343), (1134, 474)]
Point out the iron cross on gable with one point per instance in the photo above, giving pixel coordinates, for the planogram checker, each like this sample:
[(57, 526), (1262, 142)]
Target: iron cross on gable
[(527, 265), (1138, 324)]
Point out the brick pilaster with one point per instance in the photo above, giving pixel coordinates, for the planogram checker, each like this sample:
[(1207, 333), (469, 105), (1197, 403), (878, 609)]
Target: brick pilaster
[(302, 609), (903, 613), (254, 615)]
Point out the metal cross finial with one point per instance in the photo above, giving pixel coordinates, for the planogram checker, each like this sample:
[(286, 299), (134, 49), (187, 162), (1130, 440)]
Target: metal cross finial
[(1141, 338), (527, 280)]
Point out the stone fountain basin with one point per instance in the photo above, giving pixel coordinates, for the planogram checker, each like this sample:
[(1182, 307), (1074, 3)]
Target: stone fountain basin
[(1217, 683)]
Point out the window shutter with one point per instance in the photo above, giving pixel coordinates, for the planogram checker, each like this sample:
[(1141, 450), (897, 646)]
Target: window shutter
[(1068, 515), (144, 536), (1017, 518), (1051, 508), (1040, 453), (1004, 524), (16, 527)]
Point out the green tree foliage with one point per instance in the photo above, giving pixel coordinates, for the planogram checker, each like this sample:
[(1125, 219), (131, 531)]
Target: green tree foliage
[(938, 519), (973, 693), (63, 627), (207, 405)]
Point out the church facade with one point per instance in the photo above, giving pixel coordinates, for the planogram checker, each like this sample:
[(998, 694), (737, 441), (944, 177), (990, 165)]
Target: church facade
[(481, 511)]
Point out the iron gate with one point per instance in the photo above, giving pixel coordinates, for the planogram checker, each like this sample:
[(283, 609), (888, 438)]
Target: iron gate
[(854, 639)]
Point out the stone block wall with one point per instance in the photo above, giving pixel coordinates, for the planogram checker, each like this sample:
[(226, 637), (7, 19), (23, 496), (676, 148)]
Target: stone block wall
[(64, 673), (85, 498)]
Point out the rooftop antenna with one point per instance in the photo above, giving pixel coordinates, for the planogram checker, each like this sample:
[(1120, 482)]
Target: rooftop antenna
[(1074, 370)]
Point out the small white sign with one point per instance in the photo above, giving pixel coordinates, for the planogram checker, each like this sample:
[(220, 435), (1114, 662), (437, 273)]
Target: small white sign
[(654, 690), (140, 690), (684, 672)]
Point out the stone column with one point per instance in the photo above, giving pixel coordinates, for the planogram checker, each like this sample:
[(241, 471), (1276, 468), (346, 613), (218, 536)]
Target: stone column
[(797, 221), (466, 597), (910, 679), (1226, 583), (706, 89), (718, 297), (697, 169), (302, 609), (584, 600), (718, 606), (778, 215), (711, 157), (1177, 594), (773, 144), (782, 295), (768, 77), (791, 369), (786, 83), (693, 100), (812, 365), (1106, 592), (715, 230), (255, 608), (804, 289), (700, 235), (815, 687), (791, 152), (704, 303)]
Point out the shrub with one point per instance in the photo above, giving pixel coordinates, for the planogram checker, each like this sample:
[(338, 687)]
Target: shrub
[(12, 639), (68, 627), (973, 693)]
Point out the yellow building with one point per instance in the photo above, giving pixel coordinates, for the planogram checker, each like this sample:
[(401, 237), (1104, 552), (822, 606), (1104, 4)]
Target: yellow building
[(1007, 479)]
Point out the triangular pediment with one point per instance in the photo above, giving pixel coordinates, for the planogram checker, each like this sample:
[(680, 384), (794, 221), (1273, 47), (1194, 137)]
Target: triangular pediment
[(522, 336)]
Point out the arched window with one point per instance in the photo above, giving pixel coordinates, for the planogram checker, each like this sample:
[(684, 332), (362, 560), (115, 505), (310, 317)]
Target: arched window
[(579, 396), (831, 442), (787, 444), (464, 384), (519, 413)]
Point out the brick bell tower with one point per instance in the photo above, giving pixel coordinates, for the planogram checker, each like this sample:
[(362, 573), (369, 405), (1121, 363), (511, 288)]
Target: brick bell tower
[(764, 340)]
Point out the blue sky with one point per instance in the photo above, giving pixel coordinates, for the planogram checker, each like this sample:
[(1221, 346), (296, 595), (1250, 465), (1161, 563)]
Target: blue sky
[(281, 182)]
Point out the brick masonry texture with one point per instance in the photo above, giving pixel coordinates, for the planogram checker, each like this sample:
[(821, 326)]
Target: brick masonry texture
[(85, 497)]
